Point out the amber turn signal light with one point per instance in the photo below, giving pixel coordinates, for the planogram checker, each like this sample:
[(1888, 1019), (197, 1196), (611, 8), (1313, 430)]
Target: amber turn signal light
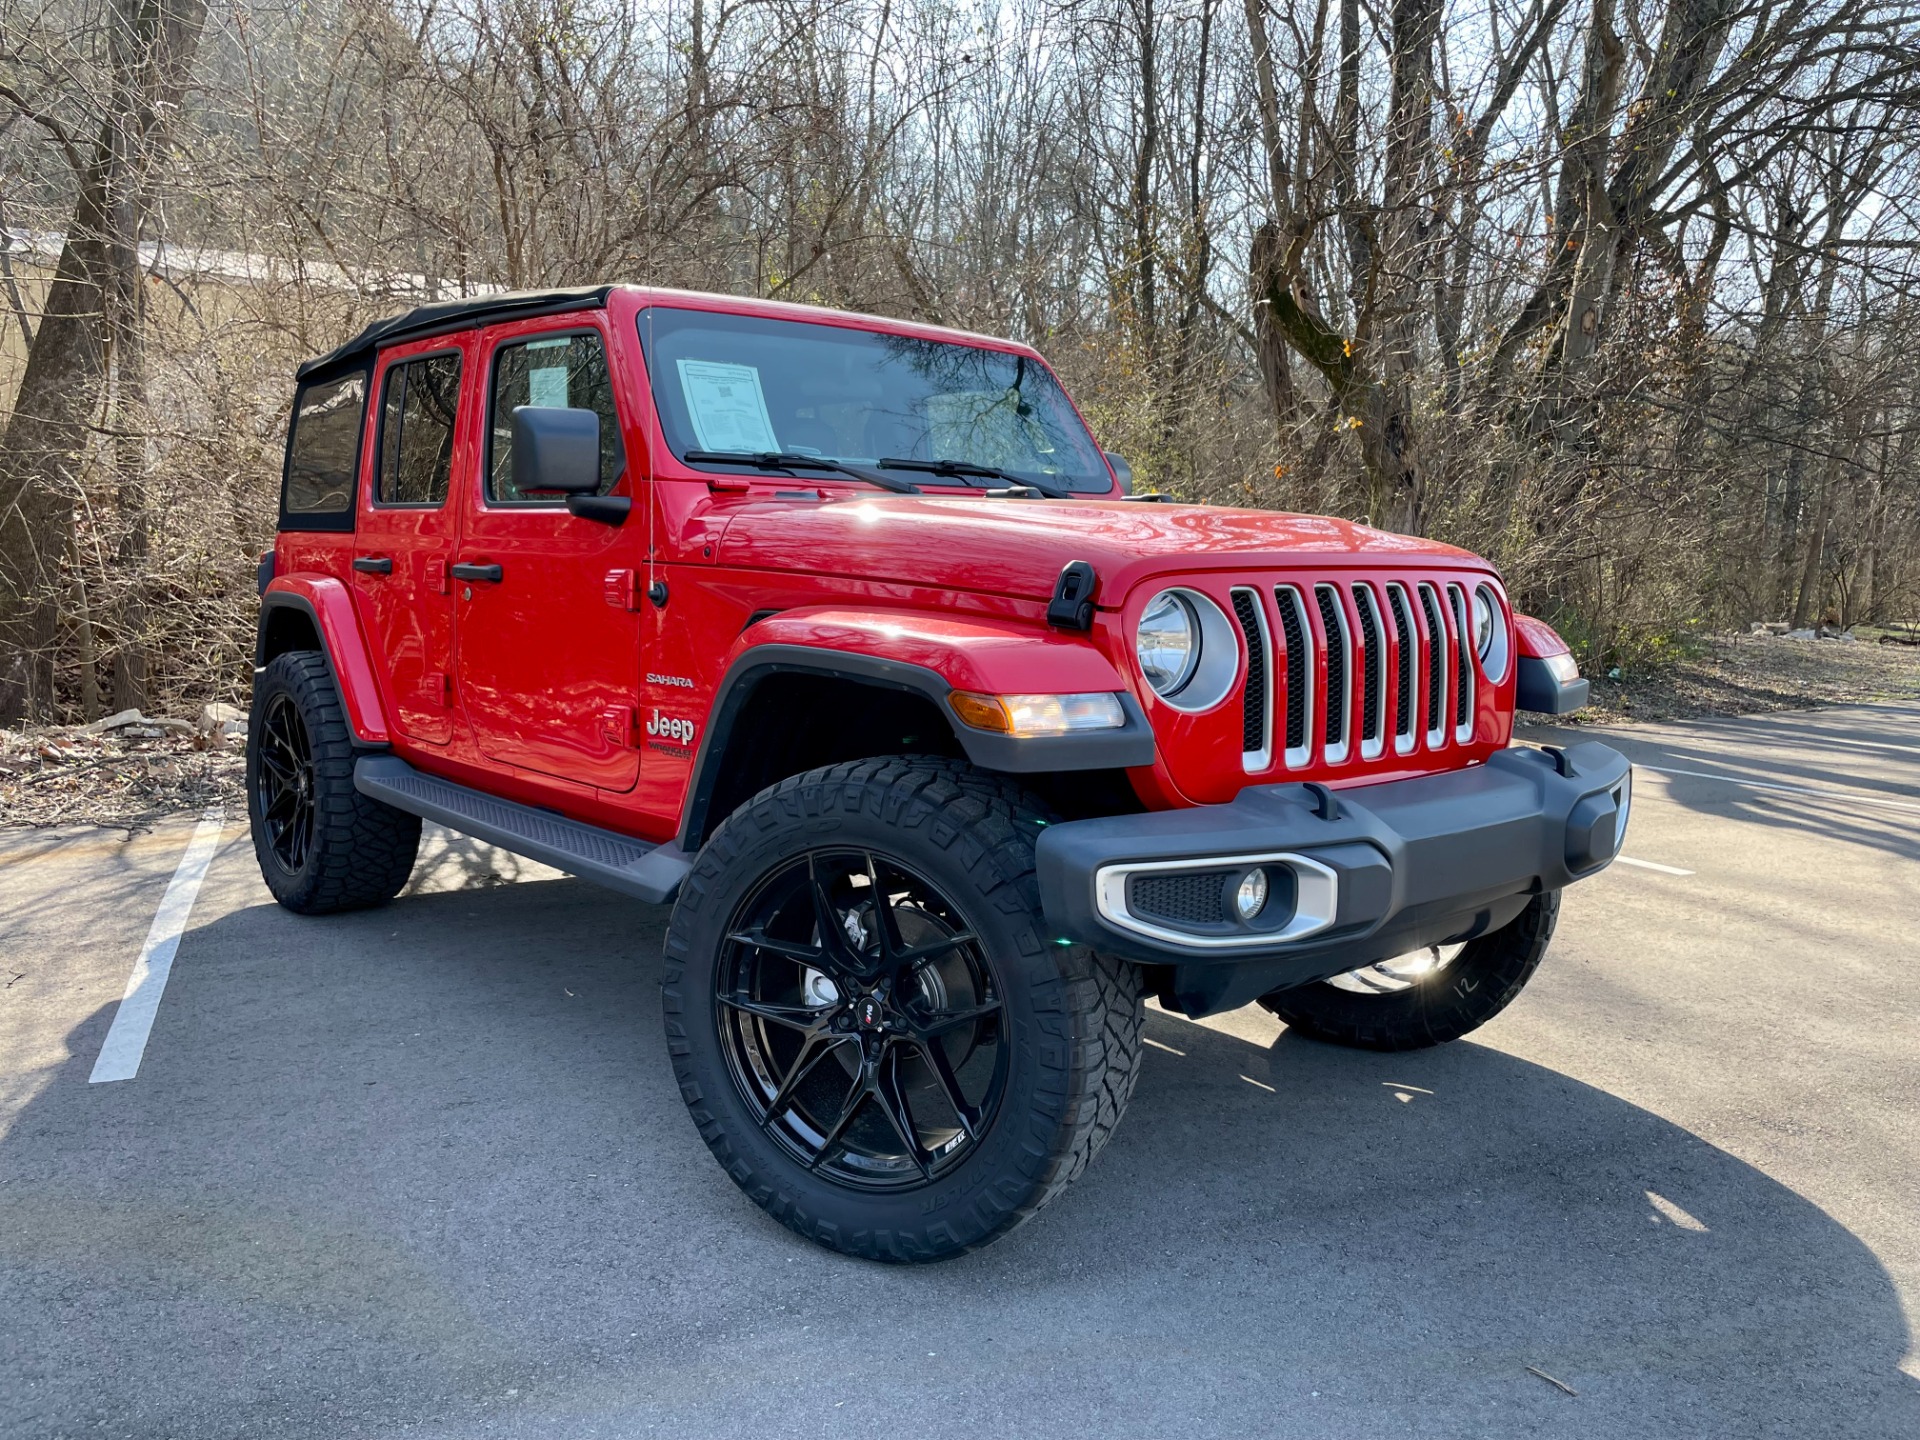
[(1034, 715)]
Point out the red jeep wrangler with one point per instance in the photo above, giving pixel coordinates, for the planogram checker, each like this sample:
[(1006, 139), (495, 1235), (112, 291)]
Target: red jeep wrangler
[(844, 637)]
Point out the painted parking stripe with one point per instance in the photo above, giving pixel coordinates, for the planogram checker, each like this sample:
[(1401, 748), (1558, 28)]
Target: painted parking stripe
[(1849, 797), (1650, 865), (133, 1021)]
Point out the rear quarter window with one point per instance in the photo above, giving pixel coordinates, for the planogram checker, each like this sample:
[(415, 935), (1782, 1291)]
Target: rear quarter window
[(323, 454)]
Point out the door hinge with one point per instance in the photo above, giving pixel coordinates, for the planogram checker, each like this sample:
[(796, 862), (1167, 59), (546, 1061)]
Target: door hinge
[(439, 688), (437, 576), (623, 589)]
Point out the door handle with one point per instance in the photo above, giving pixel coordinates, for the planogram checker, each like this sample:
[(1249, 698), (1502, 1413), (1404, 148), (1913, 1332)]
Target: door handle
[(475, 572), (373, 564)]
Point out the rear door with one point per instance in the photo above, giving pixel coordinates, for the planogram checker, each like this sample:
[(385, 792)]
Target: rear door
[(548, 640), (406, 529)]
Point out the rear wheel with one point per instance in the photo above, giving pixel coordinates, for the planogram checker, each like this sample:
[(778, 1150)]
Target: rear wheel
[(321, 844), (1425, 997), (870, 1025)]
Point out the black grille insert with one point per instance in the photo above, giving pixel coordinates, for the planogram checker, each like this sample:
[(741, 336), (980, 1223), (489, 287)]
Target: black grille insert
[(1374, 661), (1294, 633), (1403, 686), (1436, 657), (1253, 694), (1462, 675), (1330, 620), (1193, 897)]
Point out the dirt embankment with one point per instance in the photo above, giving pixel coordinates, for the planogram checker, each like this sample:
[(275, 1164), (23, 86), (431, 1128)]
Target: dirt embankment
[(125, 775), (1752, 674)]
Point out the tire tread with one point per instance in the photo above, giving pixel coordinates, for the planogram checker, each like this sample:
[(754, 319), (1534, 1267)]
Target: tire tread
[(363, 851), (1092, 1006), (1482, 981)]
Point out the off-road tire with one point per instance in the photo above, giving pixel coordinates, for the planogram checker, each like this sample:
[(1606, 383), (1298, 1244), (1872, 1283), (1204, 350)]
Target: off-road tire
[(1075, 1015), (361, 851), (1462, 996)]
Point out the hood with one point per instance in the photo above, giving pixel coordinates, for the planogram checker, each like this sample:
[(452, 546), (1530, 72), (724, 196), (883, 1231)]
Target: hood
[(1017, 547)]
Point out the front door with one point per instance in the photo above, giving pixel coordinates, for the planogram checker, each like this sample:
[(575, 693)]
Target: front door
[(404, 534), (548, 646)]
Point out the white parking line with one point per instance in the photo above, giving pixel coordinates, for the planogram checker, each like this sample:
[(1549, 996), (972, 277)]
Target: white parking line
[(133, 1021), (1847, 796), (1652, 865)]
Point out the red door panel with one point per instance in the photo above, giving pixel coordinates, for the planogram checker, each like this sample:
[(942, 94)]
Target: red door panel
[(404, 534), (548, 654)]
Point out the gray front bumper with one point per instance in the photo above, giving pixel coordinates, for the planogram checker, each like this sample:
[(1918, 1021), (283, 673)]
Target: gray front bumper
[(1360, 874)]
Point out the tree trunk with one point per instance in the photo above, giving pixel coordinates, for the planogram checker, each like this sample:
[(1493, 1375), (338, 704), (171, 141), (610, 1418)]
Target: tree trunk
[(1265, 269), (1806, 601), (1140, 200), (92, 303)]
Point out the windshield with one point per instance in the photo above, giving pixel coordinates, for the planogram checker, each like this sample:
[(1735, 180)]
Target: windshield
[(752, 386)]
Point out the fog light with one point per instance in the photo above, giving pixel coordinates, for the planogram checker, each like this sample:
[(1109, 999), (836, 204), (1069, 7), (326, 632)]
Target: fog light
[(1251, 898)]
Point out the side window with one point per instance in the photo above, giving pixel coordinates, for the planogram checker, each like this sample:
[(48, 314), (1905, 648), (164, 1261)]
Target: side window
[(418, 403), (323, 454), (567, 372)]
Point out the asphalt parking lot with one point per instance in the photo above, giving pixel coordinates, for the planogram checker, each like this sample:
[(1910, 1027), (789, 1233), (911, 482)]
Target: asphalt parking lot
[(423, 1170)]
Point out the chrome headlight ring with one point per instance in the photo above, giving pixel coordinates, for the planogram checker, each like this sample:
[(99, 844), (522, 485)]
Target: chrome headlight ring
[(1187, 650), (1492, 636)]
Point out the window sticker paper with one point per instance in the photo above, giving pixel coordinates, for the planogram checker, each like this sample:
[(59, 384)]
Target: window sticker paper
[(727, 407), (547, 387)]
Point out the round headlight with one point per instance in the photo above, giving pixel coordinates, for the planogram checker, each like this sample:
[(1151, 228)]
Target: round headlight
[(1168, 642), (1483, 618), (1490, 638)]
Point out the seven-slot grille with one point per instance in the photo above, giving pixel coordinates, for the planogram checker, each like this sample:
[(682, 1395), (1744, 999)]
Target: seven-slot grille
[(1393, 654)]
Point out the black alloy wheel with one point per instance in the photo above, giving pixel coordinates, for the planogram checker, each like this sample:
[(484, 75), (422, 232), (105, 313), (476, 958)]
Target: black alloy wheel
[(875, 1029), (321, 844), (283, 792), (862, 1021)]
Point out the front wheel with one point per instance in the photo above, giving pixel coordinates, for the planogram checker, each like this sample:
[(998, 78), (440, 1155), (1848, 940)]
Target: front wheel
[(874, 1032), (1425, 997)]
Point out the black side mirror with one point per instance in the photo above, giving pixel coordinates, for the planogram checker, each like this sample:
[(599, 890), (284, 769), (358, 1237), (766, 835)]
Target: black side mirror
[(1122, 471), (555, 450)]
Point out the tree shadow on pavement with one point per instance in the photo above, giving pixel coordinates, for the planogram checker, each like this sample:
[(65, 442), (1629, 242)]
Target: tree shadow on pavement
[(1882, 814), (426, 1166)]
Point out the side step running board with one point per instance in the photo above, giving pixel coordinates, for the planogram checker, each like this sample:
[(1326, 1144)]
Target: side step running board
[(647, 872)]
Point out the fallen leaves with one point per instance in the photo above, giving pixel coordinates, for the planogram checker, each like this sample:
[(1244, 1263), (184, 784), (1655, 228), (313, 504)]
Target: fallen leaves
[(125, 770)]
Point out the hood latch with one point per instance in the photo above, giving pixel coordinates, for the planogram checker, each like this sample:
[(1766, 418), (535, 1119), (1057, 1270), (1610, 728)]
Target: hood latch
[(1072, 605)]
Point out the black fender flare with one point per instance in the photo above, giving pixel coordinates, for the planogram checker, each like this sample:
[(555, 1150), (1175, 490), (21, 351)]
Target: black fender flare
[(1129, 747)]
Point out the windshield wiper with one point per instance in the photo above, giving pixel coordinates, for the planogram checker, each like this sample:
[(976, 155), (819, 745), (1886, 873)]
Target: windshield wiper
[(962, 468), (781, 460)]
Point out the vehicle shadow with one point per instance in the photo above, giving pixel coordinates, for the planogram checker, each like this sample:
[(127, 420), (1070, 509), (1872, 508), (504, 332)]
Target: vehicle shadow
[(427, 1166)]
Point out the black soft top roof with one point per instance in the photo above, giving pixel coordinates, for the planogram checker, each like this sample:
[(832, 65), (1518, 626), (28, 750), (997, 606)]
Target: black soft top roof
[(445, 315)]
